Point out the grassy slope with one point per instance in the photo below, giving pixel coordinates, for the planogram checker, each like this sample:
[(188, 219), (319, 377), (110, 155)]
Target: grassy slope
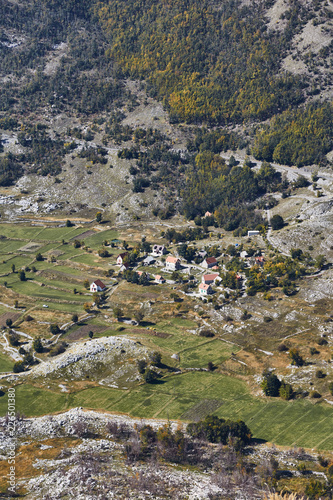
[(298, 423)]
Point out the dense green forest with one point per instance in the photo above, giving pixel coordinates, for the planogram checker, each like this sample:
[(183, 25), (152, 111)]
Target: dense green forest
[(297, 137), (228, 190)]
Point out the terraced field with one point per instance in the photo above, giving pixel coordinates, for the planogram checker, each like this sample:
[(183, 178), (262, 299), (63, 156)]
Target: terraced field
[(187, 396)]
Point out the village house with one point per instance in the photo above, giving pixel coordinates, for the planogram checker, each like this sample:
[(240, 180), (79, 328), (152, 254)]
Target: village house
[(260, 261), (205, 289), (121, 257), (124, 267), (148, 261), (97, 286), (159, 279), (140, 273), (172, 263), (207, 279), (209, 262), (158, 250), (252, 233)]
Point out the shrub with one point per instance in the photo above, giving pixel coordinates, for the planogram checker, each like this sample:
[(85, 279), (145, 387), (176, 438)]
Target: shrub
[(58, 349), (277, 222), (323, 461), (22, 276), (103, 253), (285, 391), (330, 387), (37, 345), (267, 319), (142, 364), (207, 333), (156, 358), (315, 394), (322, 341), (282, 347), (313, 351), (150, 376), (296, 358), (19, 367), (14, 339), (246, 315), (320, 374), (54, 329), (211, 367)]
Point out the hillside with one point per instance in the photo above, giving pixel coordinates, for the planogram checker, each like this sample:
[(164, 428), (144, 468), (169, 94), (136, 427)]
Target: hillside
[(180, 152)]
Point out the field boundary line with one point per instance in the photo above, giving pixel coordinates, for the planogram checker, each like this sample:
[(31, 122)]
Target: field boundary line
[(323, 440), (163, 407), (317, 423), (293, 423)]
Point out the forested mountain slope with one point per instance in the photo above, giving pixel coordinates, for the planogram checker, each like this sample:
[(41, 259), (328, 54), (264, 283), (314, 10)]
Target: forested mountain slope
[(263, 69)]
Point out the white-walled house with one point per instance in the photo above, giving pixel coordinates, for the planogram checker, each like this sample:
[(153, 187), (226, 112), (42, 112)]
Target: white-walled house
[(159, 279), (209, 262), (252, 233), (120, 258), (205, 289), (158, 250), (172, 263), (97, 286), (207, 279)]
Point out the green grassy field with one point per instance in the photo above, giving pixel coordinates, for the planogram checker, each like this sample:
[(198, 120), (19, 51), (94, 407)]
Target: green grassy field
[(97, 239), (189, 396), (33, 289), (58, 233), (299, 423), (6, 364), (213, 350)]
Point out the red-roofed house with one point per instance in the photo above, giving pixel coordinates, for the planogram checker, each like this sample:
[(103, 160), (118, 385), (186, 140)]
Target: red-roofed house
[(140, 273), (205, 289), (207, 279), (260, 260), (159, 279), (209, 262), (120, 258), (97, 286), (172, 263)]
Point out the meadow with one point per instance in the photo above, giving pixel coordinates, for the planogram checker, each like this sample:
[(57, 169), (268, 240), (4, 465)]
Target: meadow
[(188, 396)]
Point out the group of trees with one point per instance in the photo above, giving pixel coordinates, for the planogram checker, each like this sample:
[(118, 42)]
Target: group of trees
[(274, 387), (228, 190), (297, 137), (134, 277), (219, 430)]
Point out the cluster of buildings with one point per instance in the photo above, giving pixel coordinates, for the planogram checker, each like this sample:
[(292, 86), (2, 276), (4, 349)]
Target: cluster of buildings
[(173, 263)]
